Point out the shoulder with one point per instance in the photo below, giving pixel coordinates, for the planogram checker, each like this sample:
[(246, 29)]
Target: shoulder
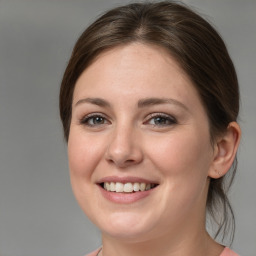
[(94, 253), (228, 252)]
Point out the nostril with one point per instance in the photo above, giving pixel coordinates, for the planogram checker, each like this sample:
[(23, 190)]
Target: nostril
[(130, 161), (120, 162)]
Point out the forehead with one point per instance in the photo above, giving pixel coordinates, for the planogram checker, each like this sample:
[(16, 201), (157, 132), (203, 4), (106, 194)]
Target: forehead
[(135, 56), (135, 69)]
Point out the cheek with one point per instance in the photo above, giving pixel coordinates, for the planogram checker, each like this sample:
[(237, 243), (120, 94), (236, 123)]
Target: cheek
[(182, 158), (84, 153), (183, 162)]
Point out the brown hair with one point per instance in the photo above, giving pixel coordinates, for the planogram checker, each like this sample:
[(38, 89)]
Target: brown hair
[(199, 50)]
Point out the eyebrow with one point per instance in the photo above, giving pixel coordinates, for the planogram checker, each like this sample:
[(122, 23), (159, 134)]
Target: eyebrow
[(141, 103), (96, 101), (158, 101)]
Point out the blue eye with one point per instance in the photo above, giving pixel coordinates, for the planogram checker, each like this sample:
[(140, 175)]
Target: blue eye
[(94, 120), (161, 120)]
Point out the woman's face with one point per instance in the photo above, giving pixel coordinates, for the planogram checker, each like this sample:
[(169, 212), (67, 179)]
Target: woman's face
[(139, 145)]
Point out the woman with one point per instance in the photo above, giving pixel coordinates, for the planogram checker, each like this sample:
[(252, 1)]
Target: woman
[(149, 103)]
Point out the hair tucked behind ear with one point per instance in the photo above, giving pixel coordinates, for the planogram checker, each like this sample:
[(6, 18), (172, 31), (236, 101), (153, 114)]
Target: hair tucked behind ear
[(199, 50)]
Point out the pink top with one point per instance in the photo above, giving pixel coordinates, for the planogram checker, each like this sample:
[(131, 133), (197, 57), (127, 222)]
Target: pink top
[(226, 252), (94, 253)]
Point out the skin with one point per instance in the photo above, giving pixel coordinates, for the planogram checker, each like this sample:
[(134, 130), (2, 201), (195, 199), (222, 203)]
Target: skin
[(130, 140)]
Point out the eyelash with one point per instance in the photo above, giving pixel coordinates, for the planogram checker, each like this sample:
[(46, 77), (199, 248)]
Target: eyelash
[(164, 117), (169, 120), (92, 117)]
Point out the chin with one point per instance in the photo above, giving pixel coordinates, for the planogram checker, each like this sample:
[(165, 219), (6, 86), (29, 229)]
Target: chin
[(128, 226)]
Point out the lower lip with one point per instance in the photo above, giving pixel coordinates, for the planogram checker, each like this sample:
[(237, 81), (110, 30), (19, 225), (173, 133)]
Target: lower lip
[(125, 198)]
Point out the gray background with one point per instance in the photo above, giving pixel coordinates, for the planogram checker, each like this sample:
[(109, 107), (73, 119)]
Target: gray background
[(38, 213)]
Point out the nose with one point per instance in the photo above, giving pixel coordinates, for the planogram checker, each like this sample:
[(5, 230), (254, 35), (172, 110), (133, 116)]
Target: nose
[(124, 148)]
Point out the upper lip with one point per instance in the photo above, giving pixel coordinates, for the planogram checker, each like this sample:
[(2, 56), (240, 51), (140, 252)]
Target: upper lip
[(126, 179)]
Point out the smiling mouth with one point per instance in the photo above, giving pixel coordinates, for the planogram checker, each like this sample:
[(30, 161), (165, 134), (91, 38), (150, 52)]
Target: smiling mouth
[(128, 187)]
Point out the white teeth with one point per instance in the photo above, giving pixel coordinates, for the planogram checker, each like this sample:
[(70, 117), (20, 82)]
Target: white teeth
[(119, 187), (136, 187), (148, 187), (127, 187), (142, 186), (112, 186), (107, 186)]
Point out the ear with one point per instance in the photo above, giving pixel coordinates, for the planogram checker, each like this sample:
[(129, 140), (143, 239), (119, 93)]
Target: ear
[(225, 150)]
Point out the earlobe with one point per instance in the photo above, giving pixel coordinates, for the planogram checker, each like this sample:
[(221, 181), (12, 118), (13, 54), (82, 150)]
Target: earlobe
[(225, 151)]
